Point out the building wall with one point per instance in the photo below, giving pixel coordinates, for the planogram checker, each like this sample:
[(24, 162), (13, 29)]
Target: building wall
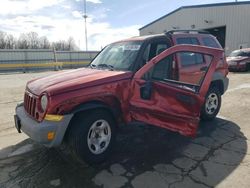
[(234, 17)]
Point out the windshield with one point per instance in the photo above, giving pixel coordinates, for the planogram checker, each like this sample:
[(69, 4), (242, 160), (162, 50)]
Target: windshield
[(117, 56), (240, 53)]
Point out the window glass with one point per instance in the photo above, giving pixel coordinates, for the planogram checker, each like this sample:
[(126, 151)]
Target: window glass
[(163, 69), (146, 54), (153, 49), (210, 42), (187, 40), (190, 58), (117, 56), (166, 71), (160, 48), (187, 58)]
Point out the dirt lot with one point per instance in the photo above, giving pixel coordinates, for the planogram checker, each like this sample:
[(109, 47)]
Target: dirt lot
[(145, 156)]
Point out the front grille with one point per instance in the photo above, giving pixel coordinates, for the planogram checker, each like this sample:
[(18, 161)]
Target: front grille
[(30, 104)]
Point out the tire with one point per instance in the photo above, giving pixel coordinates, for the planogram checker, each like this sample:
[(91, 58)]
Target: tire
[(211, 105), (91, 137)]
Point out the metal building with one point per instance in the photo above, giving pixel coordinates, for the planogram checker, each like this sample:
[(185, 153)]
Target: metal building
[(229, 22)]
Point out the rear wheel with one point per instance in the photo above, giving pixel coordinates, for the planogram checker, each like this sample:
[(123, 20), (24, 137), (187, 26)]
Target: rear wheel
[(212, 104), (91, 137)]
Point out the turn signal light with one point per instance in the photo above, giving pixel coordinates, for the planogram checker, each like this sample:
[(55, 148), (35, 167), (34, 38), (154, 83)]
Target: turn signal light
[(51, 135), (51, 117)]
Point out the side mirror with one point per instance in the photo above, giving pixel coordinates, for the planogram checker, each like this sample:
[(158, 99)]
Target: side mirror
[(146, 91)]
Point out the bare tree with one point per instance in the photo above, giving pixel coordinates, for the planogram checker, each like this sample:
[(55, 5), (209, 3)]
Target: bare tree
[(71, 45), (32, 40), (10, 42), (62, 45), (28, 41), (2, 40), (22, 42), (44, 43)]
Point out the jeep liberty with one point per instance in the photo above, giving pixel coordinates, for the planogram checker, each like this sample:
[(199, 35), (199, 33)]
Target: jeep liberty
[(170, 80)]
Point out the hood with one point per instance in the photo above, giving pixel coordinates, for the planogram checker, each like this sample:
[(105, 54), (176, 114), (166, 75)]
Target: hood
[(74, 79), (237, 58)]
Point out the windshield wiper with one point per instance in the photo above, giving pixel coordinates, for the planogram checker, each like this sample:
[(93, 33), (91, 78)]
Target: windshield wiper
[(103, 65)]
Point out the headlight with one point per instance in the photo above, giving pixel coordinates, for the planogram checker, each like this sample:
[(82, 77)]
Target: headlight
[(232, 63), (242, 63), (44, 102)]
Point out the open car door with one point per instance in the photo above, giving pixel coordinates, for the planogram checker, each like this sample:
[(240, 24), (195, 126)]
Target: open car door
[(160, 98)]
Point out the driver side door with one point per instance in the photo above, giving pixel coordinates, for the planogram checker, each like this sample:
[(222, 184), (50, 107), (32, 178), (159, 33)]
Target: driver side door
[(161, 99)]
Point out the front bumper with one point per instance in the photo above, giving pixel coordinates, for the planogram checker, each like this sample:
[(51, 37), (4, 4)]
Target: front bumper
[(225, 83), (38, 131)]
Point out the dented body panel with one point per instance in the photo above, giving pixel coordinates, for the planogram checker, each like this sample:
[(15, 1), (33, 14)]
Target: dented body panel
[(173, 108)]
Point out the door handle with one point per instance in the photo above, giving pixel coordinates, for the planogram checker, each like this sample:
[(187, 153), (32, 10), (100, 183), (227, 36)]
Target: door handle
[(204, 68)]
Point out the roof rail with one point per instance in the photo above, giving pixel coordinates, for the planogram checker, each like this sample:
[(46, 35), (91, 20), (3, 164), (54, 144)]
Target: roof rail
[(187, 31)]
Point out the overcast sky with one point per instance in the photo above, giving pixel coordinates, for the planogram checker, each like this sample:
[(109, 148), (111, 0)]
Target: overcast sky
[(108, 20)]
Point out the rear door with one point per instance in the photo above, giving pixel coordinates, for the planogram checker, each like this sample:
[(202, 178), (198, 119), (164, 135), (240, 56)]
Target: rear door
[(158, 96)]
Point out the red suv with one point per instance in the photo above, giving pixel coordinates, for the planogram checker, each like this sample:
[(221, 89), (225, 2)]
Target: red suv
[(168, 80)]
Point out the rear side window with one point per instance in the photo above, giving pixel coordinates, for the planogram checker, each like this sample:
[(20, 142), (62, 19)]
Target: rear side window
[(210, 42), (189, 58), (187, 40)]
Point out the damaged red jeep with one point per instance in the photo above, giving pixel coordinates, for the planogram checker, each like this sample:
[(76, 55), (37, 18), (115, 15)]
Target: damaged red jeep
[(170, 80)]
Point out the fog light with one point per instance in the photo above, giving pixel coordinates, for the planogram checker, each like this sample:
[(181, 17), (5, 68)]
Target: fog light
[(51, 135)]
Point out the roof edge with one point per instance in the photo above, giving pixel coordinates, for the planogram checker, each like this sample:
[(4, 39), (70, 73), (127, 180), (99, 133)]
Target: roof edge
[(196, 6)]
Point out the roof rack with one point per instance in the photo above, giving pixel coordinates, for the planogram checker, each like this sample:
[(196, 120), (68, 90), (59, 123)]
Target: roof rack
[(187, 31)]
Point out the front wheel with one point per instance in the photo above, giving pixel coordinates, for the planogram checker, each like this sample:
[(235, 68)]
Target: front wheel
[(212, 104), (91, 137)]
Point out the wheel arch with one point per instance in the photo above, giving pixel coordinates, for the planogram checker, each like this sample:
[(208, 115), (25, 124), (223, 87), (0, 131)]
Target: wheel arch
[(115, 112), (217, 81), (94, 105)]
